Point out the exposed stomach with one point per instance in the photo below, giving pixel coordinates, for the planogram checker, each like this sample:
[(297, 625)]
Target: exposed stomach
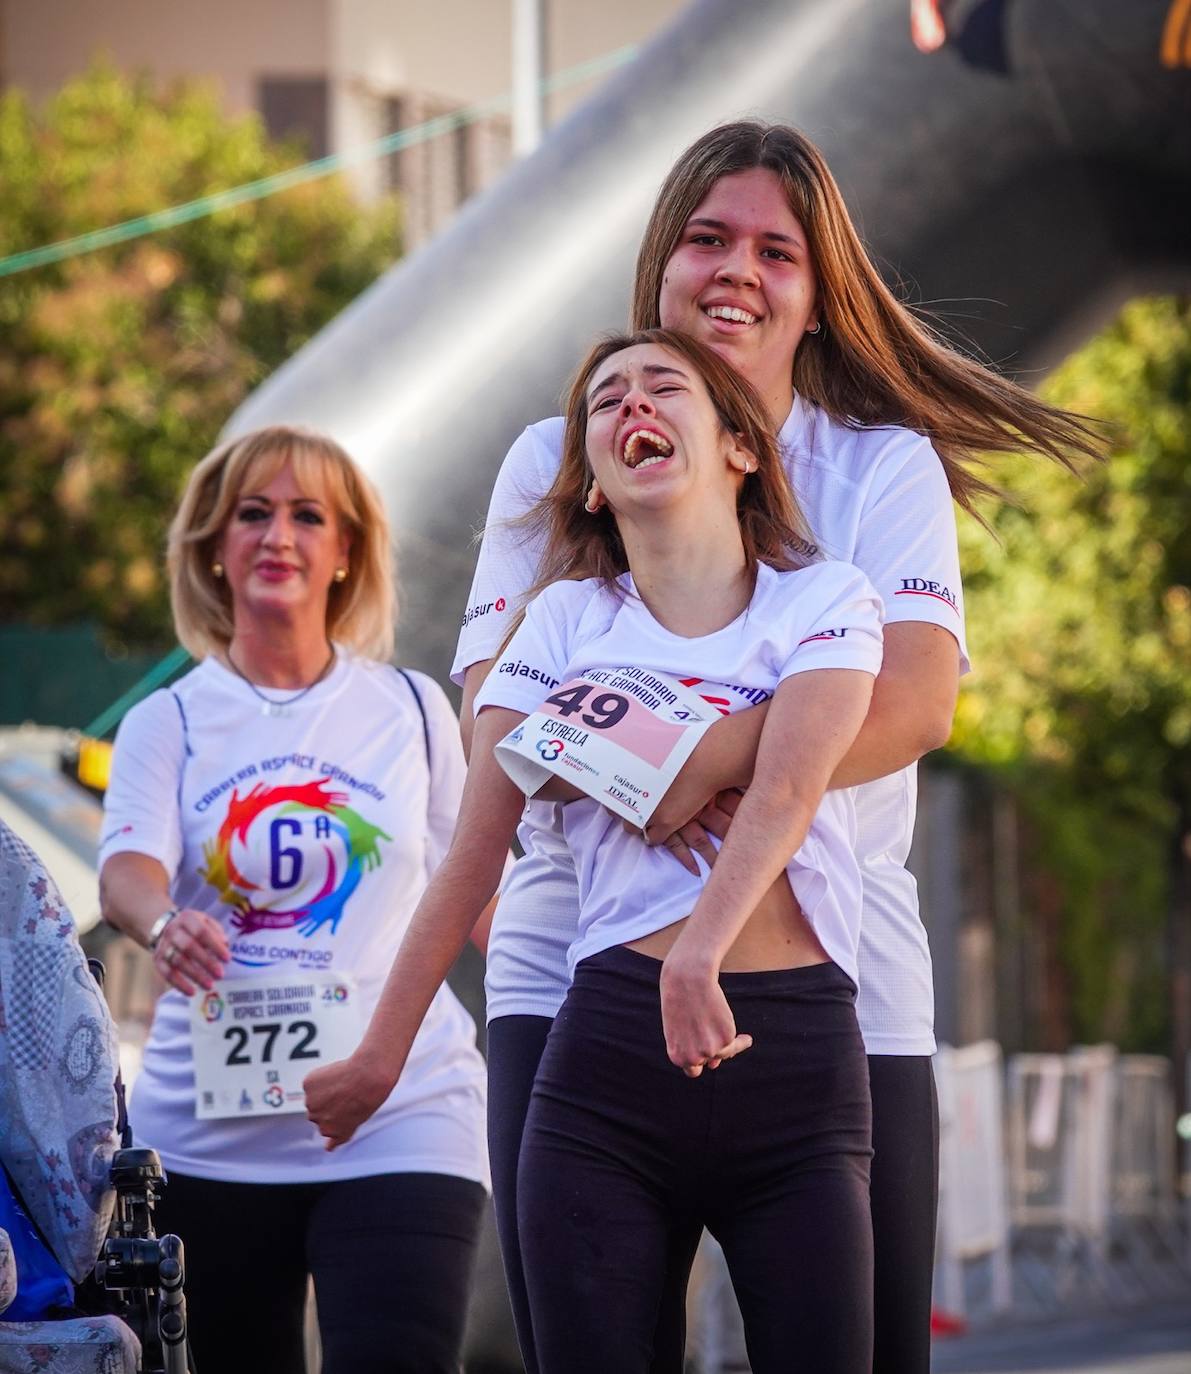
[(777, 935)]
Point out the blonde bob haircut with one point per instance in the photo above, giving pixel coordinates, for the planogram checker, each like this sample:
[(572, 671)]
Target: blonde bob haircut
[(873, 361), (360, 611), (580, 544)]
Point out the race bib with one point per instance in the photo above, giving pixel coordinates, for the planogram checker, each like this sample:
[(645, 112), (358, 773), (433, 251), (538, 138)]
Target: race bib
[(256, 1039), (621, 735)]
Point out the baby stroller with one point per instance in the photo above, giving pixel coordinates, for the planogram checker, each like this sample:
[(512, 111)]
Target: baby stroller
[(67, 1152)]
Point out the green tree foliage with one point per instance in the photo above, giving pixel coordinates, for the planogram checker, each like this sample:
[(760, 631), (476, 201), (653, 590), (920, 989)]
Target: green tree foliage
[(118, 368), (1080, 624)]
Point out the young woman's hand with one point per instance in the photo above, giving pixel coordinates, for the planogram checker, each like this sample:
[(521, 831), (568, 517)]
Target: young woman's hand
[(340, 1097), (716, 816), (695, 837), (685, 798), (697, 1021)]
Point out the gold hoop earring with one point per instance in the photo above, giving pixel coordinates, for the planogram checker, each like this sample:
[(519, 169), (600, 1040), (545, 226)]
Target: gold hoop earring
[(340, 574), (217, 569)]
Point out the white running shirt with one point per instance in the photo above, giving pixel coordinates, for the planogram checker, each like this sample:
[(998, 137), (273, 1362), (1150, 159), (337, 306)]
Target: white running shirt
[(877, 498), (310, 838), (823, 616)]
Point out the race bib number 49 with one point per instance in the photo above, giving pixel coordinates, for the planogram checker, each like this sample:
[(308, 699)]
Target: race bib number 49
[(256, 1039), (620, 735)]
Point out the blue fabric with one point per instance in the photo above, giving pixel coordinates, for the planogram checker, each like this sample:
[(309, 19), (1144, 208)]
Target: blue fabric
[(42, 1283)]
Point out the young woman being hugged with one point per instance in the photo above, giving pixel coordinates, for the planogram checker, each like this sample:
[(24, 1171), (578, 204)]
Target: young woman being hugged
[(680, 552), (750, 249)]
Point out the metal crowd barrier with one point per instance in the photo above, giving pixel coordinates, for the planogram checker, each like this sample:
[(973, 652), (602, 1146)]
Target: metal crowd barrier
[(1058, 1188), (973, 1183)]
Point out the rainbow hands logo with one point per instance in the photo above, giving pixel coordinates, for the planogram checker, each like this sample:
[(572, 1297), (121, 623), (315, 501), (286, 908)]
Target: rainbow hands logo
[(550, 749), (308, 884)]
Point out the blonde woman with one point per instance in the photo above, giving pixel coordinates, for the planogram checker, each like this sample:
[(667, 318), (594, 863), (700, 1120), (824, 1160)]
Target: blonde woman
[(271, 823)]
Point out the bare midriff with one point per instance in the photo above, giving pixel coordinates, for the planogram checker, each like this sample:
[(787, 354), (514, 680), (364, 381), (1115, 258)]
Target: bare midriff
[(777, 935)]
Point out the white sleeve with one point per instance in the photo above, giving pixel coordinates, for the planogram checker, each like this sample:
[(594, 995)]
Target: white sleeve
[(840, 625), (906, 542), (140, 806), (448, 768), (534, 660), (510, 554)]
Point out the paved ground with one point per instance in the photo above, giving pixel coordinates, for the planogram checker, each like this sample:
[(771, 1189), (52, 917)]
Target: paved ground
[(1155, 1340)]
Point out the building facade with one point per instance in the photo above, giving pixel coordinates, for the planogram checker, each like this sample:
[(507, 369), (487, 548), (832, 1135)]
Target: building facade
[(338, 74)]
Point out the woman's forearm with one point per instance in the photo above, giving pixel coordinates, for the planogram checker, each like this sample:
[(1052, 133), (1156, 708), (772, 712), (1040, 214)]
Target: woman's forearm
[(458, 894), (912, 707), (812, 722), (134, 891), (452, 904), (910, 714), (768, 828), (723, 759)]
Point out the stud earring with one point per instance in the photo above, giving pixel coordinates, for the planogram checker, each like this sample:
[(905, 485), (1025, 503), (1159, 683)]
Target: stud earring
[(216, 569), (340, 574)]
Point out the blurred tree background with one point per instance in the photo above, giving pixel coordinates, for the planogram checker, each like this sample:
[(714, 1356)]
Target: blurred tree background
[(118, 368), (1079, 622)]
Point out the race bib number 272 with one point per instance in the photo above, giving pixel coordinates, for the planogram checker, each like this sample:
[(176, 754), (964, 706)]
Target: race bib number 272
[(256, 1039)]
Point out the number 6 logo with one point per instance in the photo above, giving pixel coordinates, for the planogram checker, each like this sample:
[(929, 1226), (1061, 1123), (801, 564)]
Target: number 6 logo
[(550, 748)]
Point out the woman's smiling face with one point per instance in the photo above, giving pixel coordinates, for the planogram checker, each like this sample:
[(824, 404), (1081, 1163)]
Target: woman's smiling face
[(741, 280), (653, 433), (281, 545)]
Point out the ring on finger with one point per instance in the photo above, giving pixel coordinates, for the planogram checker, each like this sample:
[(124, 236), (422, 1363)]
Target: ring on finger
[(171, 955)]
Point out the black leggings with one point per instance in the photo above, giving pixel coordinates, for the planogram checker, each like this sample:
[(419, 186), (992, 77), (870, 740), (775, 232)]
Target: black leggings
[(905, 1203), (770, 1152), (515, 1046), (391, 1257), (903, 1193)]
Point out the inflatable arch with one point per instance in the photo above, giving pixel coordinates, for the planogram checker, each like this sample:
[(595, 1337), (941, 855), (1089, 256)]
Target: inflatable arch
[(1022, 181)]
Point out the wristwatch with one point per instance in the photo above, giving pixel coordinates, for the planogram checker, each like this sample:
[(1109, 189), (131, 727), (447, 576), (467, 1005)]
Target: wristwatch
[(158, 928)]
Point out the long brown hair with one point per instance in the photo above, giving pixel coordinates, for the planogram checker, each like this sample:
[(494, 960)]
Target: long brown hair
[(874, 362), (580, 544)]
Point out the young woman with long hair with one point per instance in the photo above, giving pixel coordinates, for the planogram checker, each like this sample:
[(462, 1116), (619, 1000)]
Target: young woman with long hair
[(681, 554)]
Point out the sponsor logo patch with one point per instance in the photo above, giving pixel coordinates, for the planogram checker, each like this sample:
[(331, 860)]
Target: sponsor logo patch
[(519, 669), (922, 586), (481, 609)]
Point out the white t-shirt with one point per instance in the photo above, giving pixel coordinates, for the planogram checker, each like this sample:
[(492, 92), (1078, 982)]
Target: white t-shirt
[(877, 498), (310, 838), (823, 616)]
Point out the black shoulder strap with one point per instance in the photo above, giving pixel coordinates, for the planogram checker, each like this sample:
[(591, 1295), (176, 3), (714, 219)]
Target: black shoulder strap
[(422, 712)]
